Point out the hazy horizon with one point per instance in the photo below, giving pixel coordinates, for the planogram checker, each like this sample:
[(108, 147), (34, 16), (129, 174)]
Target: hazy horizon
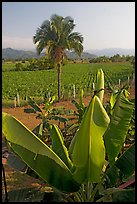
[(33, 49), (104, 25)]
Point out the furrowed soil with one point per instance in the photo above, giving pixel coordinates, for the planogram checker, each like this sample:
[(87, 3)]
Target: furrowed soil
[(16, 179)]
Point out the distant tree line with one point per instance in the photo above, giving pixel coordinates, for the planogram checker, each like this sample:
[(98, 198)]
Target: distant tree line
[(43, 63), (114, 58)]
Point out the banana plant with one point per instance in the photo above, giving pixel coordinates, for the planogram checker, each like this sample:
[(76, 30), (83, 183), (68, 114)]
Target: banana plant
[(84, 163), (46, 114), (99, 91), (100, 84), (44, 160), (80, 107)]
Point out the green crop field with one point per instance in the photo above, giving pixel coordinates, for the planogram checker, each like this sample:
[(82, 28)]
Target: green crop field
[(37, 83), (8, 66)]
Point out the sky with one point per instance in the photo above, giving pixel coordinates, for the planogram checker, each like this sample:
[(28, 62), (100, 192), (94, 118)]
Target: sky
[(102, 24)]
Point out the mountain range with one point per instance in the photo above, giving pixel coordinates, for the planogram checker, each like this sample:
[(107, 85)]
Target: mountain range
[(9, 53), (112, 51)]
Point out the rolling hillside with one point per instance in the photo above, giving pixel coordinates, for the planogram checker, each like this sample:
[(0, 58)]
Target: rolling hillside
[(9, 53)]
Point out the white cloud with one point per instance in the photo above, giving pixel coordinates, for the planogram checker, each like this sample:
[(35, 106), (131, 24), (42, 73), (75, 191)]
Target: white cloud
[(18, 43)]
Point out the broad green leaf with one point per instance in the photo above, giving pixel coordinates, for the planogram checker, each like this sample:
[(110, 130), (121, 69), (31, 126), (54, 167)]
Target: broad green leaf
[(118, 126), (100, 84), (113, 99), (81, 99), (76, 104), (40, 129), (113, 175), (124, 164), (52, 99), (87, 147), (37, 155), (29, 110), (58, 145), (34, 105), (59, 118)]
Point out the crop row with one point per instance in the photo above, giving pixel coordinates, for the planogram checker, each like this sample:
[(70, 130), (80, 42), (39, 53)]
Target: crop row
[(73, 76)]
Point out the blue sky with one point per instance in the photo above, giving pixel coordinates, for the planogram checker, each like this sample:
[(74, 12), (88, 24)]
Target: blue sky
[(102, 24)]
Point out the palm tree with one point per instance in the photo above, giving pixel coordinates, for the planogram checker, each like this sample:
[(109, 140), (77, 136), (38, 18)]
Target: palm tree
[(56, 36)]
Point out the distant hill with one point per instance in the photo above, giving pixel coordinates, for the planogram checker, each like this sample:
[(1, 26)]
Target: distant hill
[(9, 53), (112, 51), (84, 55)]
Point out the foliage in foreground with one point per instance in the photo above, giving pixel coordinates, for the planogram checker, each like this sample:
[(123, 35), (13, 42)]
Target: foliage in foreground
[(89, 167)]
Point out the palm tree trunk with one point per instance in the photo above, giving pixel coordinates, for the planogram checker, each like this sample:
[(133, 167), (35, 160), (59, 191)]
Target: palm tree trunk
[(59, 80)]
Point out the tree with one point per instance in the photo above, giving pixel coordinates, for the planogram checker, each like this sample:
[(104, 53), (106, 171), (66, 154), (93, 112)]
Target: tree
[(56, 36), (133, 61)]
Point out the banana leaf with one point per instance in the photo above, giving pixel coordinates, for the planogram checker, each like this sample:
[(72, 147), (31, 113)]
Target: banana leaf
[(59, 118), (81, 99), (100, 84), (87, 148), (125, 164), (118, 127), (113, 99), (127, 158), (29, 110), (58, 145), (38, 130), (34, 105), (76, 104), (37, 155)]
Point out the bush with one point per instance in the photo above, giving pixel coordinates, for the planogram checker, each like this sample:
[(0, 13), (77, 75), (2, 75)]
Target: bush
[(18, 66), (40, 64)]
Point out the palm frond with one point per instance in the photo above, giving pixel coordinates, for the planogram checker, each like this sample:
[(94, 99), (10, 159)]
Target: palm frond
[(45, 24), (40, 47), (77, 47), (68, 25), (56, 36), (75, 36)]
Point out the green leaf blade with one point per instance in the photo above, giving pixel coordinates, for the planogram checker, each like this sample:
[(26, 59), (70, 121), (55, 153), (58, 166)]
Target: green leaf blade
[(58, 145), (87, 147), (116, 133), (127, 158), (37, 155), (100, 84), (34, 105)]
